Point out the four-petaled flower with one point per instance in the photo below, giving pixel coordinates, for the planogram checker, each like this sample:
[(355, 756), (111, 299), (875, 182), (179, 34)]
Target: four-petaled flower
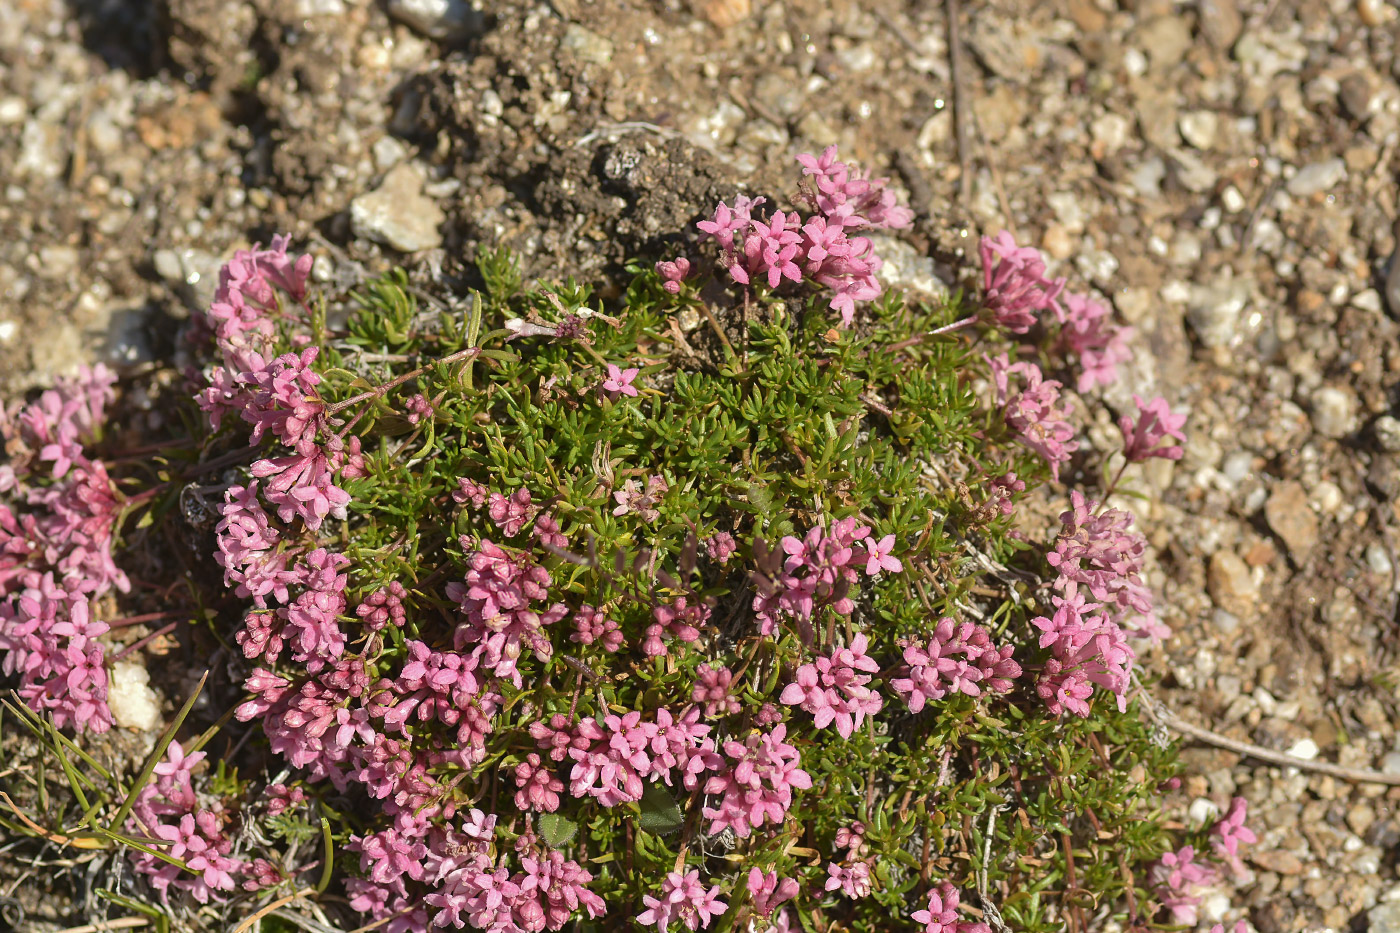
[(619, 381)]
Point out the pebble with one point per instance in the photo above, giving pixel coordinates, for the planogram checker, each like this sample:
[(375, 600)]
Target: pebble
[(1214, 310), (397, 213), (1231, 584), (134, 704), (1388, 433), (587, 45), (1288, 515), (1199, 127), (1305, 749), (1220, 22), (1316, 178), (1384, 918), (1378, 559), (438, 19), (1333, 412), (1355, 94), (1165, 40)]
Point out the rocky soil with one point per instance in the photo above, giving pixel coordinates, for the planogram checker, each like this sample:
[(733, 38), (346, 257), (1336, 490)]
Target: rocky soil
[(1223, 170)]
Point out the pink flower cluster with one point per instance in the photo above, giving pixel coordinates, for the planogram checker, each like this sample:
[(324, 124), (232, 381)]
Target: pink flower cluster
[(1015, 291), (276, 396), (466, 885), (683, 898), (168, 809), (1177, 877), (1227, 834), (49, 640), (499, 601), (833, 688), (1086, 331), (56, 550), (757, 787), (941, 914), (958, 658), (1147, 438), (615, 759), (1014, 286), (1035, 413), (819, 249), (1102, 599), (816, 572)]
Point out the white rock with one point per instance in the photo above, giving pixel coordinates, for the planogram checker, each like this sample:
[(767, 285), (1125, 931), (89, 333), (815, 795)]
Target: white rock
[(133, 703), (1333, 412), (1203, 810), (1305, 749), (1316, 178), (1199, 127), (438, 19), (397, 213)]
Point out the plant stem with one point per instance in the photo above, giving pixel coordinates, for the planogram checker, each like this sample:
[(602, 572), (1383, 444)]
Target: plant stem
[(382, 390)]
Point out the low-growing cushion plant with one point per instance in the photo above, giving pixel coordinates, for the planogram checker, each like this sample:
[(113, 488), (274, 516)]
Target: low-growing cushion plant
[(703, 607)]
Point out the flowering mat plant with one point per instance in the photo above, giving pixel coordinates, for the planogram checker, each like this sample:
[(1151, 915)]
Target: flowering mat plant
[(718, 605)]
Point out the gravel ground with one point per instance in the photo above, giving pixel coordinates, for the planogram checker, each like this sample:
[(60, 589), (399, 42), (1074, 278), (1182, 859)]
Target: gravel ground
[(1223, 171)]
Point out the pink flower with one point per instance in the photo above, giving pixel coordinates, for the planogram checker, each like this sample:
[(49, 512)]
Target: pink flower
[(1178, 877), (1230, 831), (854, 882), (673, 273), (833, 691), (957, 659), (684, 898), (539, 786), (941, 915), (513, 513), (469, 490), (1015, 286), (1155, 424), (759, 787), (880, 556), (712, 689), (1101, 346), (768, 892), (720, 547), (619, 382)]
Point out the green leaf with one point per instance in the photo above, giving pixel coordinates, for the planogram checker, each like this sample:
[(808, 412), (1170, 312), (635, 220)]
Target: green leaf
[(660, 812), (557, 830)]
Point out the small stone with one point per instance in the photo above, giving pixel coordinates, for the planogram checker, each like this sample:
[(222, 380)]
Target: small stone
[(388, 152), (782, 94), (133, 703), (1378, 559), (1384, 918), (1305, 749), (1109, 133), (1220, 22), (307, 9), (438, 19), (1390, 764), (1289, 516), (1355, 94), (1198, 127), (1277, 860), (1317, 178), (1231, 584), (587, 45), (1232, 200), (397, 213), (906, 267), (1057, 241), (1214, 311), (1333, 412), (1087, 16), (1388, 433), (1360, 818), (1375, 12), (1165, 39)]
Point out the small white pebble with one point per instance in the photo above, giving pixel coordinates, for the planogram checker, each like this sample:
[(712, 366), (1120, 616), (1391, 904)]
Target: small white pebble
[(134, 704), (1232, 200), (1203, 811), (1305, 749), (7, 331)]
